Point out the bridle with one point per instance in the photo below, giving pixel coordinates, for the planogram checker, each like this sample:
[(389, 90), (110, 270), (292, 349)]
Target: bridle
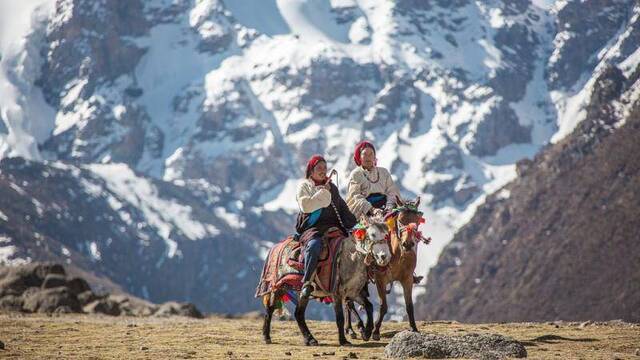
[(411, 228), (365, 245)]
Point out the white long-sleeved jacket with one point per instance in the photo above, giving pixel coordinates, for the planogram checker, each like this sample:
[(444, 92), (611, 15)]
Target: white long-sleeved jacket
[(311, 197), (363, 183)]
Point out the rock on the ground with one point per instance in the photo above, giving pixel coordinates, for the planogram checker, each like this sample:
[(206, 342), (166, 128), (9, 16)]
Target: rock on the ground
[(181, 309), (48, 300), (53, 281), (103, 306), (431, 346), (134, 307), (45, 288), (78, 285), (11, 303)]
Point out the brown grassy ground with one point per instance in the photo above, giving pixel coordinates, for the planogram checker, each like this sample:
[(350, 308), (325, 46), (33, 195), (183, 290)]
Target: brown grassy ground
[(94, 337)]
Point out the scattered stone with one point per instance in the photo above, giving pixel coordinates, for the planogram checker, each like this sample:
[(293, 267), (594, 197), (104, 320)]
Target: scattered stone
[(64, 309), (485, 346), (11, 303), (78, 286), (586, 323), (143, 348), (328, 353), (1, 345), (48, 300), (352, 355), (288, 353), (86, 297), (53, 281), (617, 322), (103, 306), (175, 308), (637, 352), (229, 353), (45, 288)]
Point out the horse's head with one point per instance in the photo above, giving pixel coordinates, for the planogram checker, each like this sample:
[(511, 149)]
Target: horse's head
[(376, 241), (409, 218)]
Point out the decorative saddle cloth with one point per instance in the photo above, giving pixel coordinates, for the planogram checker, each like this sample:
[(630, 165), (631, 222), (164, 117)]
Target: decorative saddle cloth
[(284, 265)]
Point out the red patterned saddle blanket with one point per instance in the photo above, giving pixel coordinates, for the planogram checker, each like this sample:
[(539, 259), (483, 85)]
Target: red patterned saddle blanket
[(284, 265)]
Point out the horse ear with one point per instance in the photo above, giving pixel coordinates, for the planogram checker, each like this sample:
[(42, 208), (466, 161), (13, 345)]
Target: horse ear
[(418, 201), (399, 201)]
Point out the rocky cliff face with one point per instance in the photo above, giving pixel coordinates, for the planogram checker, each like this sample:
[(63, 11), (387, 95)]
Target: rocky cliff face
[(189, 123), (560, 241)]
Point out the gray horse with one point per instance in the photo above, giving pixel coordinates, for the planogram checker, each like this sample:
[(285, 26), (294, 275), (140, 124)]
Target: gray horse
[(353, 258)]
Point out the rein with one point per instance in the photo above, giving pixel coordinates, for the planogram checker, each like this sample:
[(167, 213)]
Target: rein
[(360, 244), (400, 228)]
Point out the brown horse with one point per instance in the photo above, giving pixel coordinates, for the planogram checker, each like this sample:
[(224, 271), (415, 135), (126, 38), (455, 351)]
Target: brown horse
[(404, 236)]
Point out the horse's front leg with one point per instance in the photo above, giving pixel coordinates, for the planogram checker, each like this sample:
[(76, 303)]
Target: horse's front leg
[(407, 289), (337, 307), (365, 331), (382, 296), (301, 308), (350, 309)]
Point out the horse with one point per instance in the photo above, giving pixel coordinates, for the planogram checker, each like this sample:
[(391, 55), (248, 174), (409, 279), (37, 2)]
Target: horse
[(404, 235), (351, 267)]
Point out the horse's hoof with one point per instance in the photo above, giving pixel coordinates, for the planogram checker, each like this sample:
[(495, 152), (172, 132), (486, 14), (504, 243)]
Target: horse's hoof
[(375, 336), (363, 334), (345, 342), (415, 331), (311, 342), (267, 341), (353, 334)]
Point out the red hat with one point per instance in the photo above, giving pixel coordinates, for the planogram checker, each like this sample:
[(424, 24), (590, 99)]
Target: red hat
[(315, 159), (361, 146)]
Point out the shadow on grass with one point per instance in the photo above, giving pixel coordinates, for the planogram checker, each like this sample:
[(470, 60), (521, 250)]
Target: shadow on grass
[(553, 339), (390, 334)]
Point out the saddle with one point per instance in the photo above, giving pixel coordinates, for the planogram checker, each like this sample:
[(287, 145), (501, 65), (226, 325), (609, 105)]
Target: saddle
[(284, 265)]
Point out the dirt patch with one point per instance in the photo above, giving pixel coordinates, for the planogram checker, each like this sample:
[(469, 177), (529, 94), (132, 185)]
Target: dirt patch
[(103, 337)]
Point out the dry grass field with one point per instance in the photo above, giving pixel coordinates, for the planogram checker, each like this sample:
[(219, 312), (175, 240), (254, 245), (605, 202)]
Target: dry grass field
[(97, 337)]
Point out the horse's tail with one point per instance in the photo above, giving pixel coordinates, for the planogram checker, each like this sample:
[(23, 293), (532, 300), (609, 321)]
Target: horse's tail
[(266, 299), (277, 300)]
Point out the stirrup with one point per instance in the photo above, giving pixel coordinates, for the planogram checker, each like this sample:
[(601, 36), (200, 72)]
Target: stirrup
[(307, 290)]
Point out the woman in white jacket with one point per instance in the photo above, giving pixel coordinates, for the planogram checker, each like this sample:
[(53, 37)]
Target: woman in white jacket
[(321, 208), (371, 188)]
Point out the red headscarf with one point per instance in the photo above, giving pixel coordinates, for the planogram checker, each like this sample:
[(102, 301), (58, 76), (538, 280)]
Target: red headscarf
[(315, 159), (361, 146)]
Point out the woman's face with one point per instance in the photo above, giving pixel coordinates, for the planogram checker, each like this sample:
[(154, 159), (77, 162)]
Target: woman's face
[(319, 172), (368, 158)]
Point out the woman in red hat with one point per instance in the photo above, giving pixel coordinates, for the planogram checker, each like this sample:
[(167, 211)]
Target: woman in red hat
[(371, 188), (321, 208)]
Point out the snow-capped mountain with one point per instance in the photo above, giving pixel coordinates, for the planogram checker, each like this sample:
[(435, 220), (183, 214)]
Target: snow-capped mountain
[(191, 121)]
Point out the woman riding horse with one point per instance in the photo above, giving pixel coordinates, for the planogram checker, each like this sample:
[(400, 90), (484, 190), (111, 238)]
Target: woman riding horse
[(372, 190), (321, 208)]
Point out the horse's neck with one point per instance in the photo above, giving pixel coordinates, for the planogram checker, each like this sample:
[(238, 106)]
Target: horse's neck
[(395, 243), (347, 248), (351, 268)]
